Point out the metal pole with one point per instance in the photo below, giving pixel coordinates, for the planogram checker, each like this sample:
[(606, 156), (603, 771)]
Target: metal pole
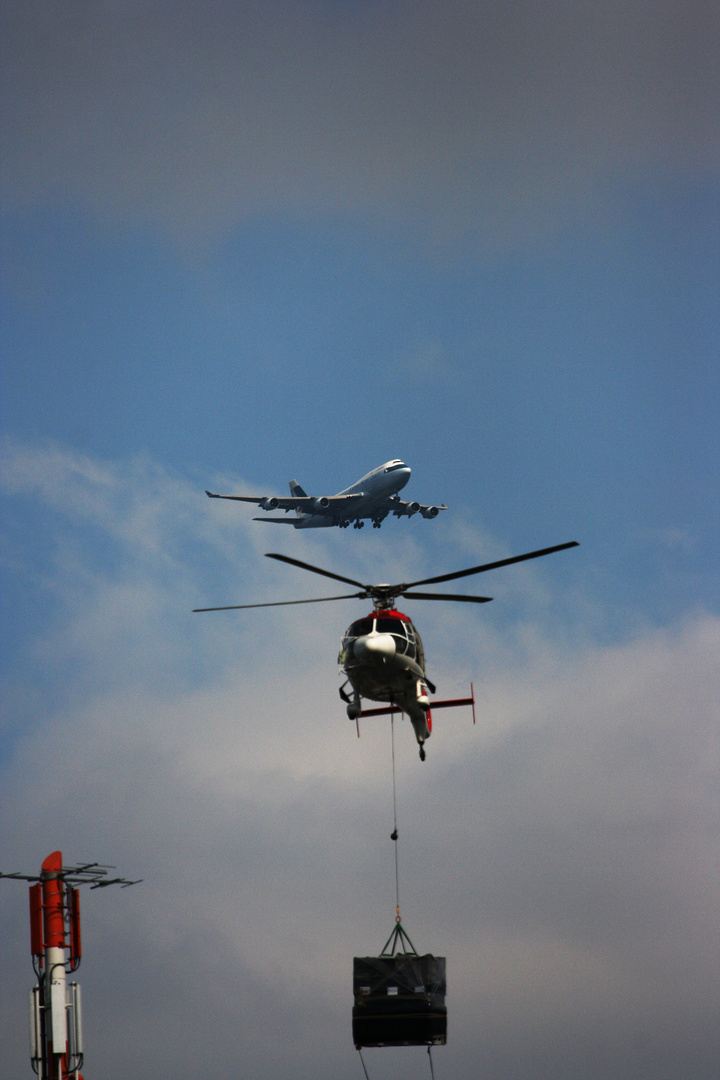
[(54, 940)]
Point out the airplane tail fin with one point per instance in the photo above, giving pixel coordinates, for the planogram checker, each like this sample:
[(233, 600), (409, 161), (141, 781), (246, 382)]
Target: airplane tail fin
[(299, 493)]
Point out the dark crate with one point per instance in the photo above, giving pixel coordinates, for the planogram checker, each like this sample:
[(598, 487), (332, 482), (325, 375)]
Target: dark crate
[(399, 1000)]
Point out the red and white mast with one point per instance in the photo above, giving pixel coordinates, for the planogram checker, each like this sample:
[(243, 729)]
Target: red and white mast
[(56, 1044)]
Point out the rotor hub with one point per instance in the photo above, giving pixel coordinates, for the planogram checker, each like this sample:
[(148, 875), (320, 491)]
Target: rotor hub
[(383, 596)]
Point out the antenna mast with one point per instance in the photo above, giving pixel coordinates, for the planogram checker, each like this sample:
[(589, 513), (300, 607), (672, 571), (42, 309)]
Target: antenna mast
[(56, 1043)]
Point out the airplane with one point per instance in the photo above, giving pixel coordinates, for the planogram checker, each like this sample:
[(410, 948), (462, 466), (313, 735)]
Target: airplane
[(374, 496), (381, 655)]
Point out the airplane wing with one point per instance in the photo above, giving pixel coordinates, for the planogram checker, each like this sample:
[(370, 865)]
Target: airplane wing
[(331, 505), (400, 508)]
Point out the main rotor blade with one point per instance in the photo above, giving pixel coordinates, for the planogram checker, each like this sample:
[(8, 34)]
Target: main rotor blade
[(493, 565), (315, 569), (445, 596), (280, 603)]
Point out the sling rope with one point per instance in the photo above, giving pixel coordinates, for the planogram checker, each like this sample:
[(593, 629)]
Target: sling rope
[(367, 1074), (362, 1062)]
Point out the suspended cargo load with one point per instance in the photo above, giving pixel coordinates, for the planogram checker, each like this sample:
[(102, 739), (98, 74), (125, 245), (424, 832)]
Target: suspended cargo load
[(399, 1000)]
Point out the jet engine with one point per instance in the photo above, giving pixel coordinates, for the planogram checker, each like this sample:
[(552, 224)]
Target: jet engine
[(321, 504), (268, 504), (430, 512), (412, 508)]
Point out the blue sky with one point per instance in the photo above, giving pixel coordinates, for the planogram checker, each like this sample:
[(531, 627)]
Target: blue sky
[(247, 244)]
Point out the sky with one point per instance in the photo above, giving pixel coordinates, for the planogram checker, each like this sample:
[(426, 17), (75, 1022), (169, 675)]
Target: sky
[(248, 242)]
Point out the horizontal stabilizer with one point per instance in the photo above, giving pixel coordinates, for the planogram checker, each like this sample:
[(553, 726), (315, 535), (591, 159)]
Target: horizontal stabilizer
[(452, 702), (387, 710), (448, 703)]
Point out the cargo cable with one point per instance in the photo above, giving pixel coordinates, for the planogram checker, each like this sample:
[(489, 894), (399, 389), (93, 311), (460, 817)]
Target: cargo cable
[(394, 833)]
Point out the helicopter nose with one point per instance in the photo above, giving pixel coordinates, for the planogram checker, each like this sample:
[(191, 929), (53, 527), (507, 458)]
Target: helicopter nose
[(374, 645)]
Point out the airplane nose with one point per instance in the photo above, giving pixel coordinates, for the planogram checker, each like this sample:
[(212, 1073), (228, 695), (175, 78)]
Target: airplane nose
[(374, 645)]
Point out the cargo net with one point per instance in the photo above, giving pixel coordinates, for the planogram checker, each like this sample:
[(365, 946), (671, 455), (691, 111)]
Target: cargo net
[(399, 999)]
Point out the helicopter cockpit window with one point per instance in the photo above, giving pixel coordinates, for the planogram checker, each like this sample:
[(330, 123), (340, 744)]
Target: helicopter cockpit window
[(360, 628), (402, 632)]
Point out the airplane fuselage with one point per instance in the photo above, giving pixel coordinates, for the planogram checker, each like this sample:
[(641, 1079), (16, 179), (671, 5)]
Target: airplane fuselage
[(374, 489)]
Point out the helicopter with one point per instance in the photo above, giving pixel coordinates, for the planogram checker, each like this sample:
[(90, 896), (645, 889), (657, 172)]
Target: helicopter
[(382, 655)]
